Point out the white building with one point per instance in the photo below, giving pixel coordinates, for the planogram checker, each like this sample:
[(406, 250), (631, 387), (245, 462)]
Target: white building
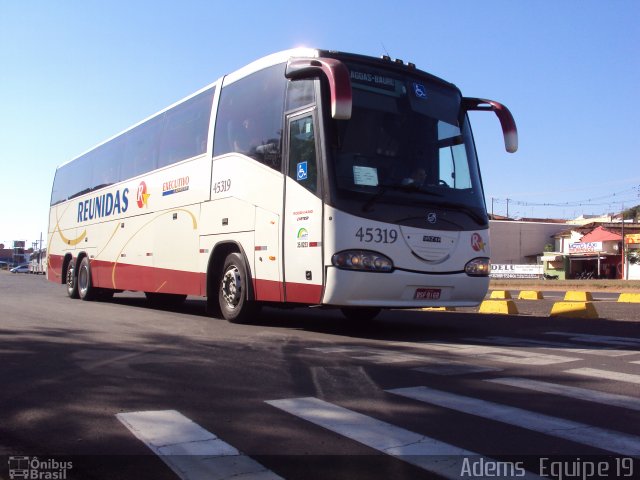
[(521, 242)]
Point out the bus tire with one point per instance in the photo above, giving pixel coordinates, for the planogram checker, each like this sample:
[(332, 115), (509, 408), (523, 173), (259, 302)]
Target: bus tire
[(235, 305), (86, 290), (360, 314), (72, 280)]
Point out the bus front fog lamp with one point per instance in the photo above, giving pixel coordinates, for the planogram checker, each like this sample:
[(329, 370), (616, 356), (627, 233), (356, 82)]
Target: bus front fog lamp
[(363, 260), (478, 267)]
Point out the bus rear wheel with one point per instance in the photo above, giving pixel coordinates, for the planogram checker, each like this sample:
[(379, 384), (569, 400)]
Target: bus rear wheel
[(233, 291), (86, 290), (72, 281)]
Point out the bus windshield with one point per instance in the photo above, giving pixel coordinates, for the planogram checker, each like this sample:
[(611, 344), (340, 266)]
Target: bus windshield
[(407, 145)]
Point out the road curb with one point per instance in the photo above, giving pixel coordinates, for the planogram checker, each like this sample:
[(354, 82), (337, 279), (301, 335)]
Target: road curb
[(503, 307), (530, 295), (629, 297), (574, 310), (500, 295), (578, 296)]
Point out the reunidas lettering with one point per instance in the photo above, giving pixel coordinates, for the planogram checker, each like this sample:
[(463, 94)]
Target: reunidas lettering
[(103, 206)]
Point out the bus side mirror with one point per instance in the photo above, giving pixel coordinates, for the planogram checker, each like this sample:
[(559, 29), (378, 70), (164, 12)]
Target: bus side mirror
[(507, 122), (336, 74)]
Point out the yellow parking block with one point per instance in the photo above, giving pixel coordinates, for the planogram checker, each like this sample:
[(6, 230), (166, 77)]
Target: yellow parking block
[(503, 307), (574, 310), (530, 295), (629, 297), (578, 296), (500, 295)]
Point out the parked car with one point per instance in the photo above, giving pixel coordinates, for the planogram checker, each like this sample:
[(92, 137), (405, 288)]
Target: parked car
[(20, 269)]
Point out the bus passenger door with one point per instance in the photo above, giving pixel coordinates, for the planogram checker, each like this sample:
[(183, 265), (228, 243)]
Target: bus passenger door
[(303, 271)]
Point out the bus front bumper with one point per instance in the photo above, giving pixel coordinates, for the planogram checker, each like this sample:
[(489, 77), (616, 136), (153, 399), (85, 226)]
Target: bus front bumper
[(400, 289)]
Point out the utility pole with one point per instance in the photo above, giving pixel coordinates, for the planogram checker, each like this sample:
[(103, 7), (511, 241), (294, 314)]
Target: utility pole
[(623, 274), (508, 207)]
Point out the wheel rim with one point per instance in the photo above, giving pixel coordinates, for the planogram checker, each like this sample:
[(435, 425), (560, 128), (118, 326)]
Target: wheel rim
[(83, 280), (232, 287)]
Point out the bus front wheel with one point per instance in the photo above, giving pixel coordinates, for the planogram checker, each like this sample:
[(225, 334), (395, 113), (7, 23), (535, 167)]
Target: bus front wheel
[(233, 291)]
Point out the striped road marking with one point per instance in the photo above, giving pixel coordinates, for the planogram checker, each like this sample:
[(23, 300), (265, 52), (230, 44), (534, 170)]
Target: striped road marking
[(189, 450), (606, 374), (603, 398), (564, 346), (482, 352), (617, 442), (434, 366), (490, 353), (599, 339), (419, 450)]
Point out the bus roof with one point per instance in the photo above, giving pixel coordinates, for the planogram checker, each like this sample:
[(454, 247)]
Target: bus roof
[(274, 59)]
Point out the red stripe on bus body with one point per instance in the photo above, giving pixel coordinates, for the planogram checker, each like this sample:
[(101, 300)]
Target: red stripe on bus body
[(146, 279), (268, 290), (304, 293), (272, 291), (152, 279)]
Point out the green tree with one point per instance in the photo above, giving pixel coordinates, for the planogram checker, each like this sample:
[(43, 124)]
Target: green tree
[(632, 213)]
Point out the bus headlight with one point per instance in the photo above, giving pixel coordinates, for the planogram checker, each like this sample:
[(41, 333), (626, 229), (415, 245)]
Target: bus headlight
[(478, 267), (362, 260)]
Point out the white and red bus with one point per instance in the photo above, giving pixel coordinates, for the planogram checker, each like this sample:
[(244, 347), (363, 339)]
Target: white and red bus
[(308, 177)]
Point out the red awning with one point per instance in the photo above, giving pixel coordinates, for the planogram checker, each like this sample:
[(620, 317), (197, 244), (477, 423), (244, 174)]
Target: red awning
[(600, 234)]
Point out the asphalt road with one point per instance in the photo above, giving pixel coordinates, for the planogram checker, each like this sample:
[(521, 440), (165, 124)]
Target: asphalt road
[(99, 390)]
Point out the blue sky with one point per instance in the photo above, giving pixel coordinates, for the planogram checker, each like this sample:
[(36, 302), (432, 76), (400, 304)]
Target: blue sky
[(73, 73)]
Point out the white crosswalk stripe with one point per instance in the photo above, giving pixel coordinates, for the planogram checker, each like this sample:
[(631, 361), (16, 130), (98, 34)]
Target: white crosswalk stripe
[(462, 351), (609, 440), (608, 351), (606, 374), (189, 450), (491, 353), (599, 339), (419, 450), (578, 393)]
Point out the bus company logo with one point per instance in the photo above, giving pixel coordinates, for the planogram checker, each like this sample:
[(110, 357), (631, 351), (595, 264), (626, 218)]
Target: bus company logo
[(34, 468), (103, 205), (142, 197), (477, 243), (175, 186), (432, 217)]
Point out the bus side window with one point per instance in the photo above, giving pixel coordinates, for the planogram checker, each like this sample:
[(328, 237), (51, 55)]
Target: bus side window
[(300, 93), (249, 119), (185, 129), (303, 166)]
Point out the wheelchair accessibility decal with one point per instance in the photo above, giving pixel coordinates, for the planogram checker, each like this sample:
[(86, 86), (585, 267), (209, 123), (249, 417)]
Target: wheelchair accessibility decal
[(302, 171)]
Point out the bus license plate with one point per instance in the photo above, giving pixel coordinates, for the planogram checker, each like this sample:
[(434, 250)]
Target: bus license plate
[(428, 293)]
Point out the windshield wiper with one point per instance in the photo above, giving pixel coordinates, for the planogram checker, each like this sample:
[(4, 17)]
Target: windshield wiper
[(384, 188)]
